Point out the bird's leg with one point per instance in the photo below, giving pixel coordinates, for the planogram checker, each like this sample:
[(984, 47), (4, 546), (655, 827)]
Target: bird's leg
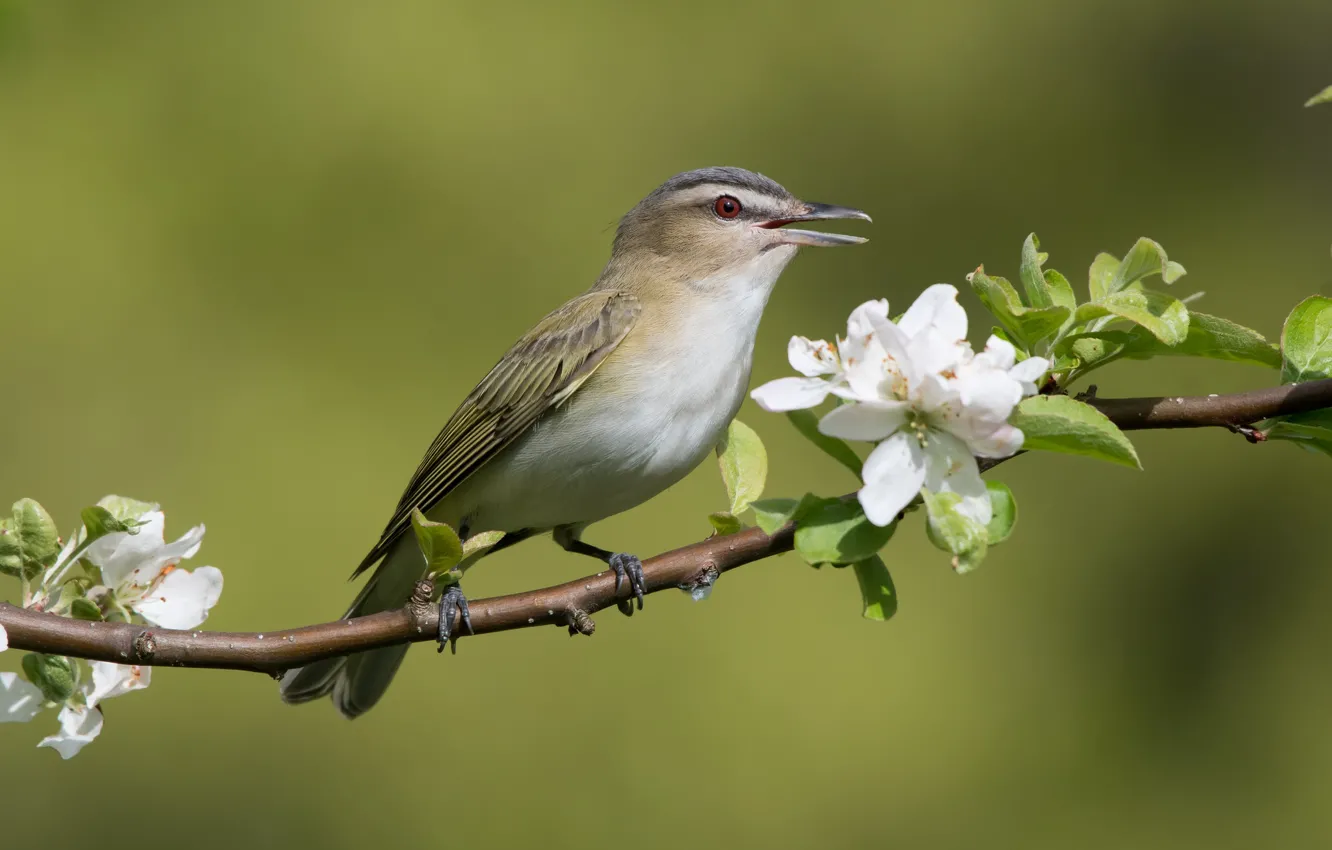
[(452, 602), (626, 566)]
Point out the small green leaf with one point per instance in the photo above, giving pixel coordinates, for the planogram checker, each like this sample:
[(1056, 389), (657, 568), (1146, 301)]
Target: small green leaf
[(1029, 272), (1094, 348), (28, 540), (84, 608), (744, 465), (1163, 315), (54, 675), (1311, 430), (954, 532), (1058, 423), (1061, 291), (1324, 96), (1026, 326), (126, 509), (99, 522), (1004, 512), (1144, 258), (838, 532), (1101, 276), (439, 543), (877, 593), (772, 514), (725, 522), (1306, 341), (480, 541), (808, 425), (1211, 337)]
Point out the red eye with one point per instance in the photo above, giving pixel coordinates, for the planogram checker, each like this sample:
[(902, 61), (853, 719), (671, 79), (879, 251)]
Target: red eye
[(727, 207)]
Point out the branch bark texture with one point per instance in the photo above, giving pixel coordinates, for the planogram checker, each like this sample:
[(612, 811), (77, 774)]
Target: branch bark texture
[(570, 604)]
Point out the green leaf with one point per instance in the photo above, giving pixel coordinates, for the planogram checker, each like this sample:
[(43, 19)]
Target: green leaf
[(1058, 423), (953, 532), (1094, 348), (1211, 337), (1306, 341), (877, 594), (1101, 275), (725, 522), (1029, 272), (99, 522), (808, 425), (54, 675), (1144, 258), (28, 540), (439, 543), (772, 514), (1324, 96), (124, 508), (84, 608), (1061, 291), (1311, 430), (1163, 315), (1004, 512), (744, 465), (838, 532), (480, 541), (1026, 326)]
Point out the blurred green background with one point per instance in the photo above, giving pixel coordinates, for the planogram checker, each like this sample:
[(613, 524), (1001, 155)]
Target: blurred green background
[(252, 254)]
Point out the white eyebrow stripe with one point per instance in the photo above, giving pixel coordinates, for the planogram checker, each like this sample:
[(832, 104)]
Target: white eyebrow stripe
[(748, 198)]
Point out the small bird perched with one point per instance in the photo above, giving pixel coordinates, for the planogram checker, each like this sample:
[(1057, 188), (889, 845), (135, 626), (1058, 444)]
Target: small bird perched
[(608, 401)]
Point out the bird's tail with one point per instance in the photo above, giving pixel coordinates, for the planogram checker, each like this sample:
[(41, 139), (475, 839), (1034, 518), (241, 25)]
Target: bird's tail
[(356, 682)]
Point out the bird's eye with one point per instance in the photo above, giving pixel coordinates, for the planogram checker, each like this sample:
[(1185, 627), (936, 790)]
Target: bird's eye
[(727, 207)]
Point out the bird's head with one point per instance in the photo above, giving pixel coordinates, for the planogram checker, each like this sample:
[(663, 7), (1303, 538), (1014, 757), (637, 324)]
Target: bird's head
[(709, 222)]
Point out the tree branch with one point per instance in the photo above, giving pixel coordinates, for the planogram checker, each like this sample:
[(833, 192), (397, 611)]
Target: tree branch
[(570, 604)]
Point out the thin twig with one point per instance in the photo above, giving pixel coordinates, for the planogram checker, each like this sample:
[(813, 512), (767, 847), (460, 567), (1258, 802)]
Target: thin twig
[(569, 604)]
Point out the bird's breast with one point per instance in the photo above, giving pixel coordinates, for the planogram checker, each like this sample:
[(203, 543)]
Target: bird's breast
[(652, 412)]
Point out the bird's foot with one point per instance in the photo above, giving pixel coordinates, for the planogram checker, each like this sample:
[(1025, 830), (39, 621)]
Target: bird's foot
[(452, 603), (628, 567)]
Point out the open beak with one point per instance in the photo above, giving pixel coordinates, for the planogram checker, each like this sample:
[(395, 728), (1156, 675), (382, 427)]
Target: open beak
[(814, 238)]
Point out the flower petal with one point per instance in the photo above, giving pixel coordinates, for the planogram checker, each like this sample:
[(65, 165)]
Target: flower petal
[(999, 353), (182, 599), (860, 323), (1003, 441), (951, 468), (121, 552), (936, 309), (1028, 372), (78, 727), (20, 700), (112, 680), (866, 421), (812, 357), (786, 394), (893, 475)]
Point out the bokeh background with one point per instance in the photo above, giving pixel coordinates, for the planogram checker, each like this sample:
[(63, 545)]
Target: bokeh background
[(252, 254)]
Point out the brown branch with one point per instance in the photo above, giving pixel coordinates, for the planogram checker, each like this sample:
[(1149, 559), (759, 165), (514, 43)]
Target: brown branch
[(1225, 411), (570, 604)]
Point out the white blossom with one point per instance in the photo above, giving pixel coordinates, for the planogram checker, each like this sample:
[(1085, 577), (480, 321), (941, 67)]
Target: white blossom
[(141, 571), (111, 680), (79, 725), (20, 700), (917, 389)]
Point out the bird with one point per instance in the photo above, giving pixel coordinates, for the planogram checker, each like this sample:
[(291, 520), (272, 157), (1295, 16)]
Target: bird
[(606, 402)]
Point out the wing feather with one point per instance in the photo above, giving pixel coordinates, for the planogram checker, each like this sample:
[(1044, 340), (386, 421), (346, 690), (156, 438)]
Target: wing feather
[(540, 372)]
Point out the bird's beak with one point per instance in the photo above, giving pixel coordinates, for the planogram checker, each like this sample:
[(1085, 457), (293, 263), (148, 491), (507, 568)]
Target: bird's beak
[(817, 212)]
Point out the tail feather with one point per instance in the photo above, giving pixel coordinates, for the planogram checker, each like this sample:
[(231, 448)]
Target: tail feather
[(356, 682)]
